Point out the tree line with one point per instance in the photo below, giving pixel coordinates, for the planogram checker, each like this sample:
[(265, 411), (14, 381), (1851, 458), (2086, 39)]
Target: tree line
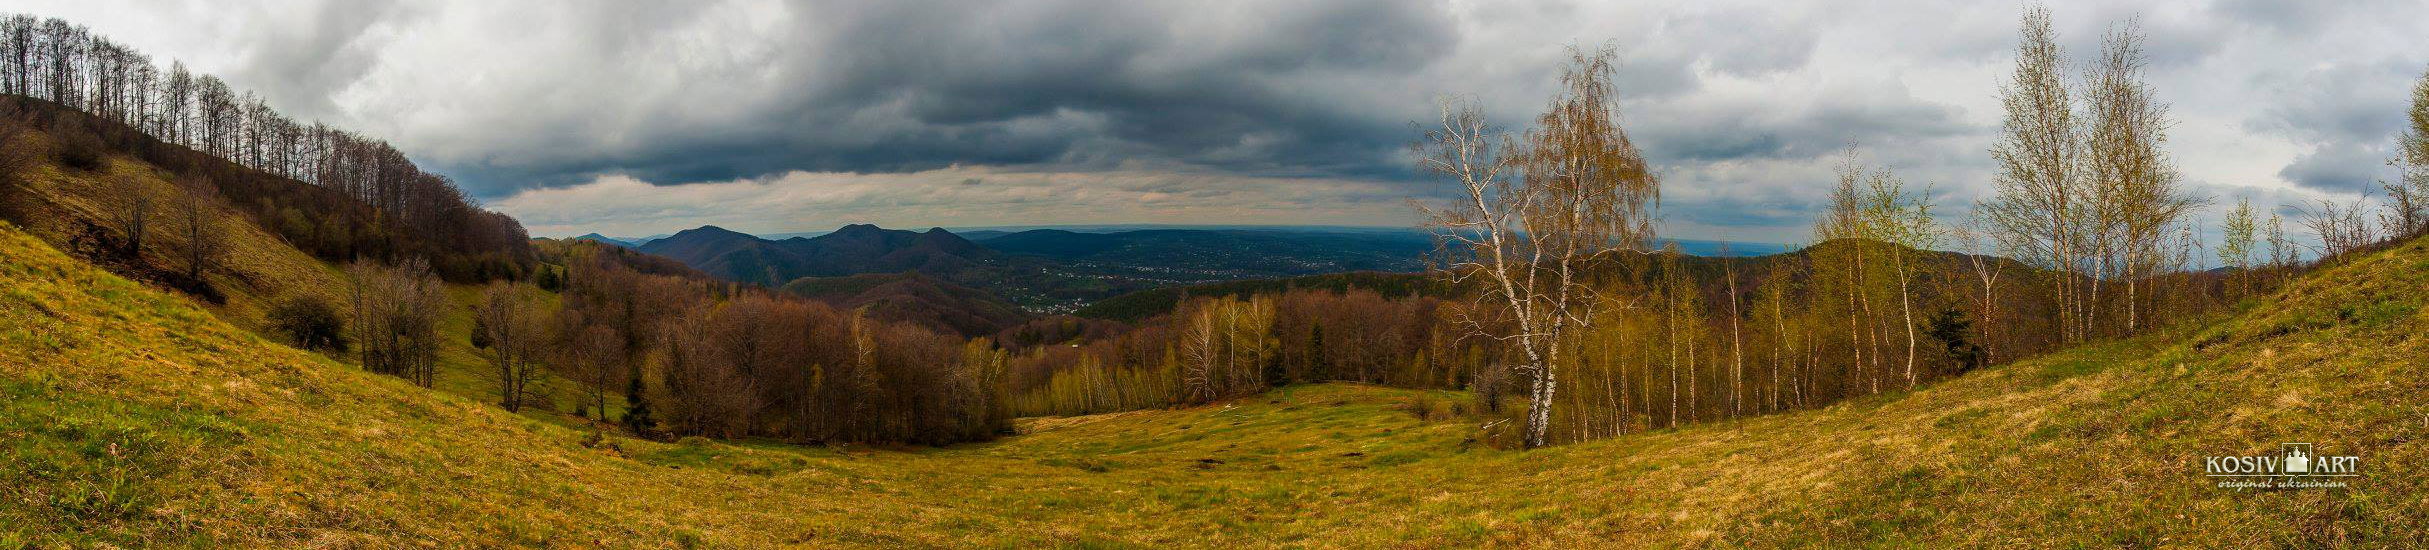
[(1225, 346), (363, 192), (721, 359)]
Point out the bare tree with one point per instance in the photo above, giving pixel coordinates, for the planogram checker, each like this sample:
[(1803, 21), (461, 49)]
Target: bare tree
[(2341, 227), (395, 321), (204, 242), (596, 354), (135, 219), (517, 333), (15, 157), (1533, 214)]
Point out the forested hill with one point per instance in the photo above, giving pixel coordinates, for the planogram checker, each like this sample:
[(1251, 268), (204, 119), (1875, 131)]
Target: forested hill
[(329, 193), (1045, 270), (1707, 271), (854, 249), (1228, 253), (910, 297)]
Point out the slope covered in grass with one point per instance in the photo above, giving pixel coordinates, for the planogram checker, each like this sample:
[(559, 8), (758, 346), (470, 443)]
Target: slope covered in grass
[(258, 269), (131, 417)]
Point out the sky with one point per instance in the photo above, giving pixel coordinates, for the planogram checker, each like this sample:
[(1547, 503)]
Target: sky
[(637, 118)]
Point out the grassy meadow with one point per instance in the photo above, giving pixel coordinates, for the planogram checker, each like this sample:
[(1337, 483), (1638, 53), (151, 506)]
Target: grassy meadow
[(134, 418)]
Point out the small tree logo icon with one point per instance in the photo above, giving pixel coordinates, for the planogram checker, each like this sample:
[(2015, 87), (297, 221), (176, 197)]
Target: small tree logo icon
[(2298, 459)]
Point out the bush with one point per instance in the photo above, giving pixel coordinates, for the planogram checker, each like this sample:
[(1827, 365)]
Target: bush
[(78, 148), (1430, 407), (309, 322)]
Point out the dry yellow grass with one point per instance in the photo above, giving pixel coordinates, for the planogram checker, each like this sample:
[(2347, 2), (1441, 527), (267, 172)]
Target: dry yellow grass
[(257, 269)]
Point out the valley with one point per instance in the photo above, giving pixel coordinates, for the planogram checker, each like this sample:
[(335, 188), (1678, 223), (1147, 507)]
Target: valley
[(161, 426), (1044, 271), (1241, 275)]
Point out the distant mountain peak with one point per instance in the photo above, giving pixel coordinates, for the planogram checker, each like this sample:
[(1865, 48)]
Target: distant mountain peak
[(707, 230), (595, 237)]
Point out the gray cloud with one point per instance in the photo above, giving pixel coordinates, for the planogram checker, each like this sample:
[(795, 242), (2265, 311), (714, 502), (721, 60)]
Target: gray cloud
[(1261, 106)]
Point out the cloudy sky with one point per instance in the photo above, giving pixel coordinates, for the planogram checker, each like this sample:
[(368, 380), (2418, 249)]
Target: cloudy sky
[(636, 118)]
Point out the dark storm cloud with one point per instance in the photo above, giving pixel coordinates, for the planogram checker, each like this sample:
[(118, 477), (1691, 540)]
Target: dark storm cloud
[(558, 111), (915, 85)]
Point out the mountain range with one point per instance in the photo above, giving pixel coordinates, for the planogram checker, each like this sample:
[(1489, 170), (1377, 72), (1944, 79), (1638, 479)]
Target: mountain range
[(1041, 270)]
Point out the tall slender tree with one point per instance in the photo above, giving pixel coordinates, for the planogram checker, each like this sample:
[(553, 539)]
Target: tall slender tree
[(1533, 214)]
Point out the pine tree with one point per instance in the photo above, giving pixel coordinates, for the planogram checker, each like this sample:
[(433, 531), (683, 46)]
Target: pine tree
[(1318, 370), (636, 411), (1275, 375)]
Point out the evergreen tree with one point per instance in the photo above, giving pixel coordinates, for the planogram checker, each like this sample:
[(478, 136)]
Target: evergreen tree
[(1317, 369), (636, 411), (1952, 329), (1275, 375)]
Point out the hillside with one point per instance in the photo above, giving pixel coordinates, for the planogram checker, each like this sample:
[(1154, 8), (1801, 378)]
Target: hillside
[(136, 419), (1708, 271), (914, 298), (855, 249), (63, 206), (1044, 270), (1225, 254), (858, 249), (595, 237)]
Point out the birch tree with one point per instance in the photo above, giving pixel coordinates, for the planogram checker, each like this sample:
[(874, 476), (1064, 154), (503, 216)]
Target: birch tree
[(2409, 193), (1903, 220), (1533, 213), (2139, 197), (2235, 246), (2036, 209)]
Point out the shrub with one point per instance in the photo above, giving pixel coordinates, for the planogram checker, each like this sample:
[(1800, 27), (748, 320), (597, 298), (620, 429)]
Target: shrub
[(78, 148), (309, 322)]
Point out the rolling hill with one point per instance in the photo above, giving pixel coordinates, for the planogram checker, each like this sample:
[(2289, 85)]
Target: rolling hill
[(1045, 270), (853, 250), (1708, 270), (1225, 254), (603, 239), (861, 249), (914, 298), (135, 418)]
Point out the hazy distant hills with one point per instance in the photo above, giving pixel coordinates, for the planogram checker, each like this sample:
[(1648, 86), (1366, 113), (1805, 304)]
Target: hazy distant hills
[(855, 249), (595, 237), (1034, 283), (1042, 270), (1057, 270), (1225, 254)]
